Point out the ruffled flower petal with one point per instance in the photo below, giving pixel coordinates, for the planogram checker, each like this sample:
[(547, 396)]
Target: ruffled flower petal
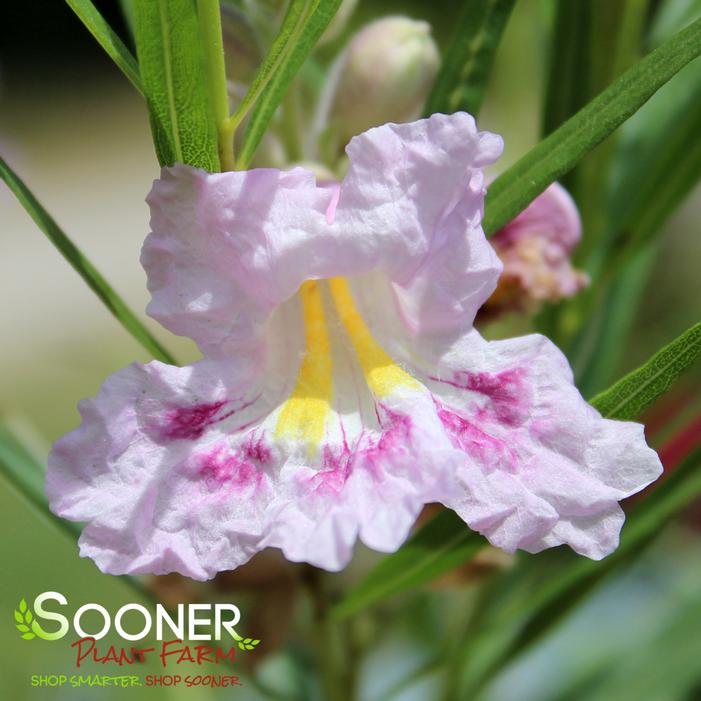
[(226, 248), (543, 467)]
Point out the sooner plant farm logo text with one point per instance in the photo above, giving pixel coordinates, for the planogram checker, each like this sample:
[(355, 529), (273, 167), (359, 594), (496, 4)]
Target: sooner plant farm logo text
[(132, 622)]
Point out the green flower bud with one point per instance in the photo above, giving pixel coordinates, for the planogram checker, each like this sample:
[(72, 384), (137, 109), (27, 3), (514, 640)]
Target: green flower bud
[(384, 75)]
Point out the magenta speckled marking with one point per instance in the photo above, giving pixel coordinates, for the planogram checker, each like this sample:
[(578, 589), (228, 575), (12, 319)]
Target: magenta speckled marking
[(190, 422), (493, 453), (338, 465), (393, 441), (219, 469), (507, 392), (256, 449)]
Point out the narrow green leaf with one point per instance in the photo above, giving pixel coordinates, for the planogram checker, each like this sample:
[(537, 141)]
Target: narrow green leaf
[(614, 44), (20, 469), (462, 80), (628, 397), (657, 145), (274, 57), (437, 547), (82, 265), (567, 83), (108, 40), (22, 628), (172, 69), (29, 636), (675, 166), (514, 189), (23, 605), (19, 617), (302, 26), (603, 339)]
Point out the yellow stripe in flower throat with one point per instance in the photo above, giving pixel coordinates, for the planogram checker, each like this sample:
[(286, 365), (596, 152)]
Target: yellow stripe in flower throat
[(382, 374), (303, 416)]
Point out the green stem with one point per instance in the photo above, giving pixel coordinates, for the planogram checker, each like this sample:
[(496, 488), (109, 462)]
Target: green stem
[(337, 680), (215, 72)]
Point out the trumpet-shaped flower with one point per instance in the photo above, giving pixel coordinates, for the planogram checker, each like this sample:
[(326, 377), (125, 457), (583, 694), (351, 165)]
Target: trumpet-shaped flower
[(343, 385)]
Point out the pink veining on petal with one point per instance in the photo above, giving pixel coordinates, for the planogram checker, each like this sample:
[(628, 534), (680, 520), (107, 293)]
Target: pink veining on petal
[(256, 449), (507, 391), (333, 204), (393, 442), (338, 464), (220, 469), (492, 453), (190, 422)]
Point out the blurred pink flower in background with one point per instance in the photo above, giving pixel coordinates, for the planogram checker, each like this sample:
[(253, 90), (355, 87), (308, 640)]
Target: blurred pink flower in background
[(536, 248)]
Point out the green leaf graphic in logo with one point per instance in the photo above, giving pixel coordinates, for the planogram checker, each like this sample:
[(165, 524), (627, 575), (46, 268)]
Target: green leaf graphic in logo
[(27, 625), (245, 643), (23, 618)]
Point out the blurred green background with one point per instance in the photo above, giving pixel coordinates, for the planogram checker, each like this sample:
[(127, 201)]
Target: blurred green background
[(78, 134)]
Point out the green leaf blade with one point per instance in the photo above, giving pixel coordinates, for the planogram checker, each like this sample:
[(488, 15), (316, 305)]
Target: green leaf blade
[(437, 547), (632, 394), (108, 39), (172, 70), (462, 79), (302, 27), (82, 265), (514, 189)]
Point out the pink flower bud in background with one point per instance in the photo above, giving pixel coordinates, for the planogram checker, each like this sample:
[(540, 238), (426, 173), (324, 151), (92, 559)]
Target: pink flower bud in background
[(535, 248), (384, 75)]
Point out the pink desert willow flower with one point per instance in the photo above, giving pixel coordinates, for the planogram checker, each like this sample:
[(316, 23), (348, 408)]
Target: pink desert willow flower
[(535, 249), (343, 385)]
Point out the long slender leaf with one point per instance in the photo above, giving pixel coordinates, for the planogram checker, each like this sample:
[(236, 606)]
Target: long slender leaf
[(304, 23), (677, 168), (657, 144), (172, 69), (567, 87), (108, 40), (608, 328), (26, 475), (446, 542), (462, 80), (514, 189), (440, 546), (82, 265), (615, 40), (633, 393)]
